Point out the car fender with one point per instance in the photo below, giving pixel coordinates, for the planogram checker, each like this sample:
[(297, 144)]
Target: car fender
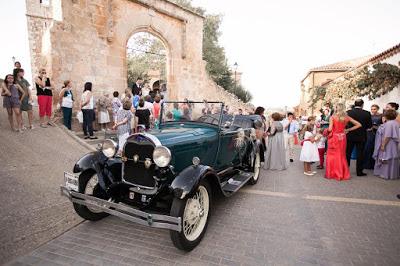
[(92, 161), (188, 180)]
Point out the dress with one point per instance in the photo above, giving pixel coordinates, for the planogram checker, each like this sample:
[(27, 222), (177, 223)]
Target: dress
[(276, 153), (387, 161), (369, 161), (104, 116), (25, 105), (13, 100), (309, 151), (336, 162)]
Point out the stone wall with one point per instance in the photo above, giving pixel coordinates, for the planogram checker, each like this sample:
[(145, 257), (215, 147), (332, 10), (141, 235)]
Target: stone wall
[(85, 40)]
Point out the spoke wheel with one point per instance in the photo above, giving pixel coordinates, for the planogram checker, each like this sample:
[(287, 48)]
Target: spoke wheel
[(256, 169), (89, 185), (195, 212)]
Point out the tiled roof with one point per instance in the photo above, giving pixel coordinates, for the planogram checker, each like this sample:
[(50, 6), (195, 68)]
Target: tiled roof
[(395, 49), (343, 65)]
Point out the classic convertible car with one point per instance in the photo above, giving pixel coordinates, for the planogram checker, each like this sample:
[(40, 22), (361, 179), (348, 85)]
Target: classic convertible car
[(166, 178)]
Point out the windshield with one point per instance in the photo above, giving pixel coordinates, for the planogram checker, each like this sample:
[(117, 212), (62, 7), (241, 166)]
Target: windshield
[(205, 112)]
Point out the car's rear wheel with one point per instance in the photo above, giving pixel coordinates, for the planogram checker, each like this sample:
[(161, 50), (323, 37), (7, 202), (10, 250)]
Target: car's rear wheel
[(194, 212), (256, 169), (89, 185)]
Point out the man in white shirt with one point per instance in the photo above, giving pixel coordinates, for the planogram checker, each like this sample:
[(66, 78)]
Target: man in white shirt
[(292, 127)]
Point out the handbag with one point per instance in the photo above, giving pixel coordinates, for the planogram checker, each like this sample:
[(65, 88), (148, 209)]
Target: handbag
[(79, 116), (296, 139)]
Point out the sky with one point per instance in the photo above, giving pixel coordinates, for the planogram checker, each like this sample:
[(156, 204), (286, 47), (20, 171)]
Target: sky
[(274, 43)]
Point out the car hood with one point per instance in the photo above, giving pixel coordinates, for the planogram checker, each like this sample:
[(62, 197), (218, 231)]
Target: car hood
[(172, 135)]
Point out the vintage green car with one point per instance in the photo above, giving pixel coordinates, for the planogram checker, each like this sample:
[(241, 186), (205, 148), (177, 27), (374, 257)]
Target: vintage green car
[(166, 178)]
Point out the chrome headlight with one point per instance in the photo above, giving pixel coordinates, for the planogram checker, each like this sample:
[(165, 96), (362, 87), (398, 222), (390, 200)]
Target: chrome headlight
[(109, 148), (162, 156)]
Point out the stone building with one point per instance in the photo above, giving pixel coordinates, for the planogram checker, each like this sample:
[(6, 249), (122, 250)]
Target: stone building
[(86, 40), (320, 76)]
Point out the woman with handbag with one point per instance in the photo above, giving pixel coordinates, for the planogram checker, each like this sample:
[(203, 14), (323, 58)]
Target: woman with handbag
[(275, 157), (67, 102)]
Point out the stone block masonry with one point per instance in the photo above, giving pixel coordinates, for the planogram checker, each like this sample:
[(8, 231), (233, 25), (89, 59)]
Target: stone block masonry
[(82, 40)]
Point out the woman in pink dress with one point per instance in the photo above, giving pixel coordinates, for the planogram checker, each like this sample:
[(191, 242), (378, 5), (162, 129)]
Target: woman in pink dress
[(336, 163)]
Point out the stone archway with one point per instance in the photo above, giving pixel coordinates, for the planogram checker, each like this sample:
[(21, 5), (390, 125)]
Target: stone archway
[(84, 40), (158, 73)]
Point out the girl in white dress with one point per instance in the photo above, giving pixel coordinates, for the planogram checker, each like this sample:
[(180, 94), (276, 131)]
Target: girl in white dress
[(309, 151)]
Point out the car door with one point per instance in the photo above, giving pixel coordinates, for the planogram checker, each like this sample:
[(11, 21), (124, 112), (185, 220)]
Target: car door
[(227, 153)]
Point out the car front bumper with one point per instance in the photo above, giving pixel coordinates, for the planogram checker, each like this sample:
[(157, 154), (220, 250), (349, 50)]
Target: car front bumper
[(124, 211)]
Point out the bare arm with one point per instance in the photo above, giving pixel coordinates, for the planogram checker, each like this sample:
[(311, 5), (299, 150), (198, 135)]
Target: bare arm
[(355, 123), (384, 143), (22, 92), (61, 95), (41, 83), (330, 124), (117, 124), (4, 90)]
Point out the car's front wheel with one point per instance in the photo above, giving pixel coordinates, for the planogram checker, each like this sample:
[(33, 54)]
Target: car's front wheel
[(89, 185), (194, 212)]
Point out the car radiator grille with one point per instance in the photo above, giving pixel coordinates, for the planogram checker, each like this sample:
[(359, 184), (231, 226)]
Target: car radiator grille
[(136, 173)]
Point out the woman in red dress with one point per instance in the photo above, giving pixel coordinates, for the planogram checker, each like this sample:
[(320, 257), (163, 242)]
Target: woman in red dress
[(336, 163)]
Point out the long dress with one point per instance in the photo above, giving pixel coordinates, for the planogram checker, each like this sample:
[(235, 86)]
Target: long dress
[(387, 161), (275, 157), (336, 163), (369, 161)]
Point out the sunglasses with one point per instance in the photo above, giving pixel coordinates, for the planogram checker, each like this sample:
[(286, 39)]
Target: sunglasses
[(42, 72)]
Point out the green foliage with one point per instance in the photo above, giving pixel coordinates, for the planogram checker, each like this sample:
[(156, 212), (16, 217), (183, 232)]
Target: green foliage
[(145, 53), (214, 54), (375, 82), (317, 94), (382, 79)]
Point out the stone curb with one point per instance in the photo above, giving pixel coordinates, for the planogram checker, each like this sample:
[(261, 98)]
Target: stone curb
[(75, 137)]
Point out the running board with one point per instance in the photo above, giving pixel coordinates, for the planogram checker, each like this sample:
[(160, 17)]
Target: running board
[(236, 182)]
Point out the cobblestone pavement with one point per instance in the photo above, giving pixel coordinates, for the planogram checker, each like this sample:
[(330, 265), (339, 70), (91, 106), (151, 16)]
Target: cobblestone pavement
[(31, 171), (286, 219)]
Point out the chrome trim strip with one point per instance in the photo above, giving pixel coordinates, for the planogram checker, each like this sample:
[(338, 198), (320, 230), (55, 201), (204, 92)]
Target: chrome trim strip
[(124, 211)]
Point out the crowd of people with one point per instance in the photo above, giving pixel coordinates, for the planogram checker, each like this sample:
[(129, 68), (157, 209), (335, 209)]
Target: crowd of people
[(372, 138), (332, 140)]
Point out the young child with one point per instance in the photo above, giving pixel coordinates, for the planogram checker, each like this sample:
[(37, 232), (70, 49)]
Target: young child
[(123, 124), (116, 105), (321, 140), (309, 151)]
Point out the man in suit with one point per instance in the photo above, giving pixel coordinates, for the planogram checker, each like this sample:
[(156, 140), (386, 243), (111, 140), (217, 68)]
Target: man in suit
[(137, 87), (358, 137)]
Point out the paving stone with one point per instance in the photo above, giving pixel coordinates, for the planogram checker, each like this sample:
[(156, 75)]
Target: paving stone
[(255, 229)]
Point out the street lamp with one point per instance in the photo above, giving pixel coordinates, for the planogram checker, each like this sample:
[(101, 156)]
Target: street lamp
[(235, 66), (13, 59)]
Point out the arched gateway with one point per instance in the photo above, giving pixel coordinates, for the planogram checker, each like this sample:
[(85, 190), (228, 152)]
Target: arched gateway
[(85, 40)]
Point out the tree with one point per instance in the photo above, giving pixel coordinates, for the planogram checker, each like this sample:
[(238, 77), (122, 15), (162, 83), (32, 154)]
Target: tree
[(145, 52), (214, 54)]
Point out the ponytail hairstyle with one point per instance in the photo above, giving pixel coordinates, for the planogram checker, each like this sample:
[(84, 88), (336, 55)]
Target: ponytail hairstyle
[(88, 86), (66, 83), (394, 105)]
